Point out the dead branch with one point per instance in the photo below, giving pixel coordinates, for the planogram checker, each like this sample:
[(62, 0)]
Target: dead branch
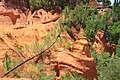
[(31, 57), (19, 27)]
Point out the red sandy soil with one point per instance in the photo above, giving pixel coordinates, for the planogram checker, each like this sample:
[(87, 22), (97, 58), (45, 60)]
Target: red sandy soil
[(18, 29), (14, 31)]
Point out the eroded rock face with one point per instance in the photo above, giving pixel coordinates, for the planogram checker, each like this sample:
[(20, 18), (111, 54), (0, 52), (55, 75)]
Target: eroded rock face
[(78, 59), (41, 16), (10, 16), (103, 10), (101, 46), (81, 46)]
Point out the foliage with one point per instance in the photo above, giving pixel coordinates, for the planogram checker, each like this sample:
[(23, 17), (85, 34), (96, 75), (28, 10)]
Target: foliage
[(95, 23), (114, 32), (113, 27), (37, 72), (35, 48), (9, 64), (33, 71), (105, 2), (115, 13), (52, 4), (19, 50), (88, 18), (111, 71), (107, 68), (91, 21), (68, 45), (77, 16), (75, 76), (118, 49)]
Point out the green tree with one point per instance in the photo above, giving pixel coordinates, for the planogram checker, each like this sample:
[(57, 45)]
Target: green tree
[(107, 68), (105, 2)]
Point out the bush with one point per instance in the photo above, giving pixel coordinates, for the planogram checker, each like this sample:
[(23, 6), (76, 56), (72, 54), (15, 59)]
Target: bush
[(107, 68), (85, 17), (52, 4), (91, 21), (75, 76), (118, 49)]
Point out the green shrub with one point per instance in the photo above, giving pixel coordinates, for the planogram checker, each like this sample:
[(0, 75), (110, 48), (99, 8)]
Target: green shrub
[(107, 68), (83, 16), (52, 4), (118, 49), (75, 76), (32, 70), (91, 21), (37, 72), (113, 27), (114, 32), (9, 64)]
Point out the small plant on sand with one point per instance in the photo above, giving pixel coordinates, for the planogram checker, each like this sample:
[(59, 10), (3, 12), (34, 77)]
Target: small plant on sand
[(9, 64), (38, 49), (8, 34), (37, 72), (30, 70)]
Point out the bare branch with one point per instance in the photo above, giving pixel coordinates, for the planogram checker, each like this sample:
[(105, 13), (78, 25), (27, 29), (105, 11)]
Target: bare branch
[(31, 57)]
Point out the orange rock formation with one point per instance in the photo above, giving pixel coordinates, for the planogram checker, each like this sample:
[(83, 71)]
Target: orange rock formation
[(101, 46), (77, 59)]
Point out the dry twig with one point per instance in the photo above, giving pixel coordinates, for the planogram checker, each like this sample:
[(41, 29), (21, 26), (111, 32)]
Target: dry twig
[(31, 57)]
